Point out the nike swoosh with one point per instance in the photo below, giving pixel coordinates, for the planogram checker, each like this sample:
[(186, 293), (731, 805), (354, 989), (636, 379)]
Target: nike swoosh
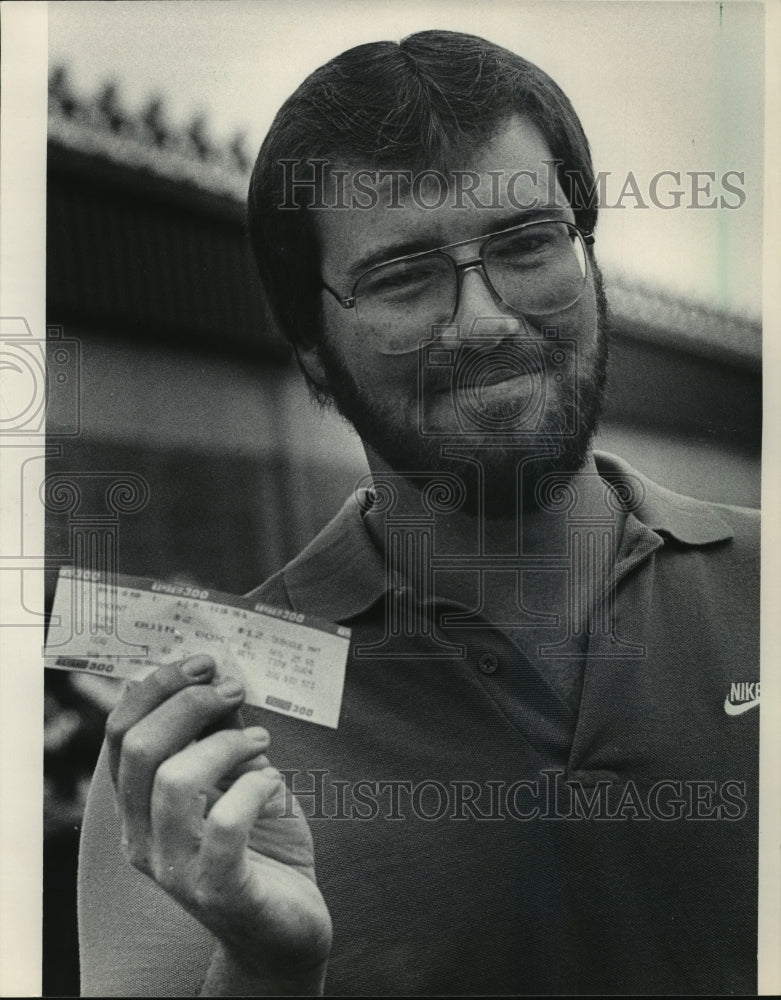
[(744, 706)]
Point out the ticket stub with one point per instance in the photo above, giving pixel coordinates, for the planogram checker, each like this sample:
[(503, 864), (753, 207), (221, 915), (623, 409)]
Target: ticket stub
[(126, 626)]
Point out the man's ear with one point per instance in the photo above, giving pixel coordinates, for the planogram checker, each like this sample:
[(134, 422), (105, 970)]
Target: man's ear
[(309, 360)]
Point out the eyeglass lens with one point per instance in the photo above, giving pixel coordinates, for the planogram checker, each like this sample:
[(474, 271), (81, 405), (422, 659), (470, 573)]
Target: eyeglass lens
[(538, 269)]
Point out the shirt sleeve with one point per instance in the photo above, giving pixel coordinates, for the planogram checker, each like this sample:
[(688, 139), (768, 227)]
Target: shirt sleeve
[(134, 940)]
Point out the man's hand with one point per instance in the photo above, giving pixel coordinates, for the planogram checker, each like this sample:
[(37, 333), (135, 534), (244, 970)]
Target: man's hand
[(213, 824)]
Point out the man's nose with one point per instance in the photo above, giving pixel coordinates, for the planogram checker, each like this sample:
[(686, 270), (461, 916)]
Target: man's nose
[(480, 306)]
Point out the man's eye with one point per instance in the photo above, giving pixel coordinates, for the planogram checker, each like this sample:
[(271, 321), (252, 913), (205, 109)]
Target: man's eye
[(525, 246), (407, 281), (526, 250)]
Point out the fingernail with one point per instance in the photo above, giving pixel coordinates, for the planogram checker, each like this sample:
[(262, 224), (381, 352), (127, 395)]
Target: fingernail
[(197, 666), (229, 688), (257, 734)]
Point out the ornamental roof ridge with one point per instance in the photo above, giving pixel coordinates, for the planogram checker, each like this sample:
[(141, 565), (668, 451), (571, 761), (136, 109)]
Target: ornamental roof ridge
[(146, 138), (665, 316)]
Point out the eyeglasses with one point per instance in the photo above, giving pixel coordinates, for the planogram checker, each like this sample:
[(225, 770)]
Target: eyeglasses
[(535, 268)]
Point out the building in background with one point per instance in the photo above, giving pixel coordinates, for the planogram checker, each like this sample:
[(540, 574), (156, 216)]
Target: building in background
[(181, 381)]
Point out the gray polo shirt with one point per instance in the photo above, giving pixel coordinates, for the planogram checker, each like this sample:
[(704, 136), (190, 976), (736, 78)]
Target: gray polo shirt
[(477, 830)]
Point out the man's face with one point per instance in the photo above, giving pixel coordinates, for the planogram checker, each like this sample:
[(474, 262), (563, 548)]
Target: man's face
[(406, 409)]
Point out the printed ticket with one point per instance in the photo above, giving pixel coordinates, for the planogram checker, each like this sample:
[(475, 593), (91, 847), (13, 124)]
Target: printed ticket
[(126, 626)]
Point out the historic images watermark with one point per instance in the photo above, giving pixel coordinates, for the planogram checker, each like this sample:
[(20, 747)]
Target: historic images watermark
[(40, 382), (41, 393), (317, 183), (547, 796)]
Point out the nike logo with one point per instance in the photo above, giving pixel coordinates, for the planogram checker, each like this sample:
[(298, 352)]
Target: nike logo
[(744, 706), (741, 698)]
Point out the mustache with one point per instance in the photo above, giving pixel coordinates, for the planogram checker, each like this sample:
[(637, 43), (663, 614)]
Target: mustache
[(476, 364)]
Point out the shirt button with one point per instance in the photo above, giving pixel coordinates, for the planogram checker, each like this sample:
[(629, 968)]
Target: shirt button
[(488, 663)]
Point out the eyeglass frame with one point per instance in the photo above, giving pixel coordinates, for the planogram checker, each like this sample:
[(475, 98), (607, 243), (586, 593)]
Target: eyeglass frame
[(585, 235)]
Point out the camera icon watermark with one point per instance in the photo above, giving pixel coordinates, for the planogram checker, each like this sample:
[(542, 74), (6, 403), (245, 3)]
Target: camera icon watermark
[(491, 384), (40, 381)]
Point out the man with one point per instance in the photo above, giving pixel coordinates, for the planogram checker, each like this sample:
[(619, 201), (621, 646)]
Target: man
[(534, 786)]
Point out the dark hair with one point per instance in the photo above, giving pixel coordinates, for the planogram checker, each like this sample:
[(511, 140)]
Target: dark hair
[(417, 104)]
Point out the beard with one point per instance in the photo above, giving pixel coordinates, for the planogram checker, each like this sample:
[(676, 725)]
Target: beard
[(497, 459)]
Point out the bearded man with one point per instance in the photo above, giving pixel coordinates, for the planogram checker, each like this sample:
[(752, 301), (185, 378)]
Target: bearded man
[(534, 787)]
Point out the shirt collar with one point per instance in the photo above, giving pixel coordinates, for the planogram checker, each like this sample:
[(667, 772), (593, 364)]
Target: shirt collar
[(690, 521), (341, 573)]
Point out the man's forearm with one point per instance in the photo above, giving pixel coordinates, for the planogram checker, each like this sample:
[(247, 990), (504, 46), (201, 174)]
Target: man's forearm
[(228, 977)]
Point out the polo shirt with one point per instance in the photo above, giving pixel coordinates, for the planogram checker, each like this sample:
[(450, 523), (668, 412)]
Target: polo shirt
[(476, 832)]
